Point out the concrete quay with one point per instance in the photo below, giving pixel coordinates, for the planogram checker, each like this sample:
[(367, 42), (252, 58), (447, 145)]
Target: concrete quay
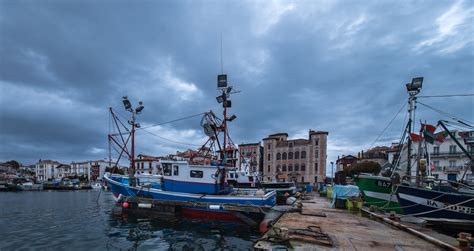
[(320, 227)]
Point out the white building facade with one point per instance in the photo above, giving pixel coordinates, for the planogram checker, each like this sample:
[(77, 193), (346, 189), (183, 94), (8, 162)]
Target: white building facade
[(146, 164), (447, 160), (46, 170)]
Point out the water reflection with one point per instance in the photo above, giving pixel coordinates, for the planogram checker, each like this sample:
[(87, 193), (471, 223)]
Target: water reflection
[(132, 232), (82, 220)]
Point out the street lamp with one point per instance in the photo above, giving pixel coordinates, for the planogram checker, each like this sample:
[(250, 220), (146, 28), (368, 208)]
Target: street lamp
[(415, 85), (332, 173)]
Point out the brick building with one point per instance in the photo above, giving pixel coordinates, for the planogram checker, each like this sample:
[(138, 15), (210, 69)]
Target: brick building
[(301, 160), (345, 161)]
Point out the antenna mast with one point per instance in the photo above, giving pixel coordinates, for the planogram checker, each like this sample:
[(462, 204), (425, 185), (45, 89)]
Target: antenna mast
[(222, 58)]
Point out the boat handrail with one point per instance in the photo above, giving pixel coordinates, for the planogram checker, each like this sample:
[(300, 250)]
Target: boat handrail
[(456, 185)]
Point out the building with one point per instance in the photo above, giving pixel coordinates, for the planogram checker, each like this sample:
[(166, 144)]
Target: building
[(376, 154), (202, 156), (91, 169), (301, 160), (447, 160), (252, 154), (63, 171), (345, 161), (46, 170), (146, 164), (232, 156)]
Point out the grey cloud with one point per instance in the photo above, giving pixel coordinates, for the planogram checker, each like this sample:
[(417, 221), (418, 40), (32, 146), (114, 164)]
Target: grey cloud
[(337, 66)]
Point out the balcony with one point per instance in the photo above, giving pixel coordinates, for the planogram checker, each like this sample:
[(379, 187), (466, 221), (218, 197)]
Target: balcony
[(449, 169), (447, 155)]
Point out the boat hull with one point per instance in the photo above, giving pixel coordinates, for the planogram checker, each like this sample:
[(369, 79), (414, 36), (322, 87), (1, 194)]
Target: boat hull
[(377, 190), (428, 203), (118, 188)]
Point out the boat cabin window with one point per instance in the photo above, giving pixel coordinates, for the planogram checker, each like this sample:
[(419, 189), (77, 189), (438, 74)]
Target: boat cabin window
[(166, 169), (196, 174), (175, 170), (251, 178), (231, 175)]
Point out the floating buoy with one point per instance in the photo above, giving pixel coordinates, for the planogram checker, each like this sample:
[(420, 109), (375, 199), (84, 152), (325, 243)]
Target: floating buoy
[(125, 205)]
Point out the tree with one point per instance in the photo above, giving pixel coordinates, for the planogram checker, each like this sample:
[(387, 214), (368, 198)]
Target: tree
[(364, 167), (12, 163)]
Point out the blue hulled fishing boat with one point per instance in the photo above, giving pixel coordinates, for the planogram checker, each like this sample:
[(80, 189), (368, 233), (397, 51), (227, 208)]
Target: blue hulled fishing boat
[(182, 186), (432, 203)]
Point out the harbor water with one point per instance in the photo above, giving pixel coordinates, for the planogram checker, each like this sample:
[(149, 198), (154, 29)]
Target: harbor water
[(83, 220)]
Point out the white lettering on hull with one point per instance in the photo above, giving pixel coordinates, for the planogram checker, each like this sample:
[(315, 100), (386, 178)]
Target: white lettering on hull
[(438, 204)]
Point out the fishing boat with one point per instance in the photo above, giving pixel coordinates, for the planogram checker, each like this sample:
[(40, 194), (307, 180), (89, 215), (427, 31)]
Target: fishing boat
[(194, 190), (436, 203), (377, 191), (437, 199)]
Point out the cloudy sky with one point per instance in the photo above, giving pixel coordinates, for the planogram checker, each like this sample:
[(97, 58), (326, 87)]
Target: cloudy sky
[(337, 66)]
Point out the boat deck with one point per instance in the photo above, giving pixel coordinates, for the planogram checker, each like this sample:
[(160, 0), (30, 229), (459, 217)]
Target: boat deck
[(344, 230)]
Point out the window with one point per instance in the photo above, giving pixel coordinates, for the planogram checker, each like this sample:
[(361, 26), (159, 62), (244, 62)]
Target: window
[(278, 168), (316, 142), (284, 156), (290, 155), (175, 170), (316, 167), (251, 178), (297, 155), (303, 154), (452, 149), (452, 163), (303, 167), (268, 157), (436, 164), (315, 179), (166, 169), (278, 156), (291, 145), (297, 168), (269, 146), (284, 168), (268, 168), (197, 174), (143, 165), (302, 179), (316, 154), (290, 168), (436, 150)]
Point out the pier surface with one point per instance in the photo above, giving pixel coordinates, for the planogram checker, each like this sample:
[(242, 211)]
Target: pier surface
[(344, 230)]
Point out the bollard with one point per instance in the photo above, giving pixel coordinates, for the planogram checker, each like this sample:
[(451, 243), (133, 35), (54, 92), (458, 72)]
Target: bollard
[(393, 216), (464, 239)]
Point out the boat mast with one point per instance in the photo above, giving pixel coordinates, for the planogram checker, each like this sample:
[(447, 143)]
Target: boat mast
[(131, 175), (138, 110), (413, 89)]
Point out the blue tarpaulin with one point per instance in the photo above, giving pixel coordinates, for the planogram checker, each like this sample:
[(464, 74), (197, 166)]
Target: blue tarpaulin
[(344, 192)]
